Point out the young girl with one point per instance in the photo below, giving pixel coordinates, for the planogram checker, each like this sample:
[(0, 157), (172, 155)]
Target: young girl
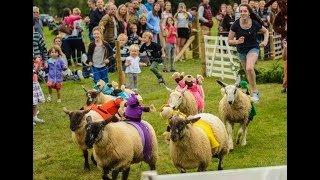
[(56, 66), (153, 21), (171, 34), (182, 21), (142, 24), (133, 67), (133, 37), (37, 92), (98, 56), (154, 52)]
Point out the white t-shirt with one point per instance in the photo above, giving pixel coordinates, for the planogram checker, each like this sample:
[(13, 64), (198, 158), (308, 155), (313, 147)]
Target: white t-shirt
[(134, 66)]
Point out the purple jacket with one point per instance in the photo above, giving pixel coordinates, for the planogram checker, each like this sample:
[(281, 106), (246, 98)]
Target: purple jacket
[(55, 70)]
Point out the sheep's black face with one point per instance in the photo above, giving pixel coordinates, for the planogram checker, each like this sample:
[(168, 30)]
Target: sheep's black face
[(93, 133), (75, 120), (177, 130)]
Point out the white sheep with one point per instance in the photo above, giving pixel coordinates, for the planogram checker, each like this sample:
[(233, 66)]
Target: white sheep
[(235, 107), (77, 127), (118, 145), (183, 100), (191, 147)]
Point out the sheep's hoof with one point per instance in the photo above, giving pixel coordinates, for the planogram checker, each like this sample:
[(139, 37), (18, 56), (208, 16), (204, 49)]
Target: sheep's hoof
[(93, 160), (243, 143), (87, 168), (230, 150), (220, 168)]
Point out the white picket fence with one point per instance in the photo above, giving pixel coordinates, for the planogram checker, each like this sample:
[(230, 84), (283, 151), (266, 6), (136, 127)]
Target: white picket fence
[(221, 59), (259, 173)]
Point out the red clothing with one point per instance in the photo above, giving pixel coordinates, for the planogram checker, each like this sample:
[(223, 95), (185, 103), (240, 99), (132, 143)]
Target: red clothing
[(70, 19), (172, 38)]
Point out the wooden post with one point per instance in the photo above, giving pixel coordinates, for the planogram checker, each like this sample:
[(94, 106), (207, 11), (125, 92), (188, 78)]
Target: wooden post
[(195, 43), (272, 49), (203, 55), (185, 47), (119, 63)]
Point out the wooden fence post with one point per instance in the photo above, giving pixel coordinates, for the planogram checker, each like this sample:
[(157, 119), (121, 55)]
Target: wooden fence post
[(203, 55), (272, 49), (119, 64), (195, 43)]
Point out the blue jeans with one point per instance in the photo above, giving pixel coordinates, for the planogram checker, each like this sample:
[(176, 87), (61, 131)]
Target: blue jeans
[(100, 73)]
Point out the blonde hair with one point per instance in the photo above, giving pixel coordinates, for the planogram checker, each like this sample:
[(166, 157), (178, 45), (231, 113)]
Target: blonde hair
[(76, 11), (143, 15), (148, 34), (125, 17), (123, 36), (134, 47)]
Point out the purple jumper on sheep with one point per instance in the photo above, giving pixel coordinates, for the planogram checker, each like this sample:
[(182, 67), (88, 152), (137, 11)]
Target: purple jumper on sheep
[(145, 138)]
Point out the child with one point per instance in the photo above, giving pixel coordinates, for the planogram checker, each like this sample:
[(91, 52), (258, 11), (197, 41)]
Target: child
[(55, 65), (171, 40), (124, 52), (154, 52), (133, 67), (134, 109), (98, 56), (133, 37), (37, 92)]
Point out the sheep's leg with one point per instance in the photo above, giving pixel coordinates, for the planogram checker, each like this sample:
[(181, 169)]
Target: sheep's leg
[(152, 166), (93, 160), (230, 135), (115, 173), (125, 174), (86, 162), (220, 165), (244, 139), (105, 173), (182, 170), (240, 132), (201, 167)]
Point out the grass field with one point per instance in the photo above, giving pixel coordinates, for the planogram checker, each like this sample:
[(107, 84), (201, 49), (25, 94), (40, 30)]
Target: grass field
[(56, 156)]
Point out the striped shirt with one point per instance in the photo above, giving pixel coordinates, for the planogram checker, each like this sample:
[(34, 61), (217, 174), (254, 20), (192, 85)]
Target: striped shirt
[(39, 47)]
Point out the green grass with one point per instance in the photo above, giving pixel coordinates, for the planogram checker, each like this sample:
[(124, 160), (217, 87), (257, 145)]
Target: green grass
[(56, 156)]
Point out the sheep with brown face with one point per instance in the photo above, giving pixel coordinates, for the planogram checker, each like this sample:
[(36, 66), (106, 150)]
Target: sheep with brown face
[(118, 145), (96, 97), (190, 147), (77, 126)]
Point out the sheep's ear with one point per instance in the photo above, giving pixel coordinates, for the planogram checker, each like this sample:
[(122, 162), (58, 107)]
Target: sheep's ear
[(192, 120), (66, 110), (222, 83), (84, 88), (237, 81), (184, 89), (86, 111), (170, 90), (89, 119)]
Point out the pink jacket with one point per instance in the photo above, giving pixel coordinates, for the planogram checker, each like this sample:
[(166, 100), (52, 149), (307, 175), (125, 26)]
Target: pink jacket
[(195, 90), (70, 19)]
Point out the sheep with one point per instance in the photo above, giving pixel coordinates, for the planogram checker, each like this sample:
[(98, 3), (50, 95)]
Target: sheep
[(118, 145), (235, 107), (96, 97), (77, 126), (191, 147), (183, 100)]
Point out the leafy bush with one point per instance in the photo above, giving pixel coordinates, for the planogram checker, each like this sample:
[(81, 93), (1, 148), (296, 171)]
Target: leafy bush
[(273, 75)]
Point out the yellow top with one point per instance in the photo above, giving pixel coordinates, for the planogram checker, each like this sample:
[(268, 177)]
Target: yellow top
[(207, 129)]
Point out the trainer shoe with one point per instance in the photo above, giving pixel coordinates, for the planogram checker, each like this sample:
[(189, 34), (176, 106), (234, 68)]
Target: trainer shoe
[(283, 90), (34, 123), (37, 120), (59, 101), (256, 96), (49, 99), (161, 81), (79, 73)]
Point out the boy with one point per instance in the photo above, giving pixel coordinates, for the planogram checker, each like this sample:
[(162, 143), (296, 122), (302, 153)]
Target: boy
[(155, 54)]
